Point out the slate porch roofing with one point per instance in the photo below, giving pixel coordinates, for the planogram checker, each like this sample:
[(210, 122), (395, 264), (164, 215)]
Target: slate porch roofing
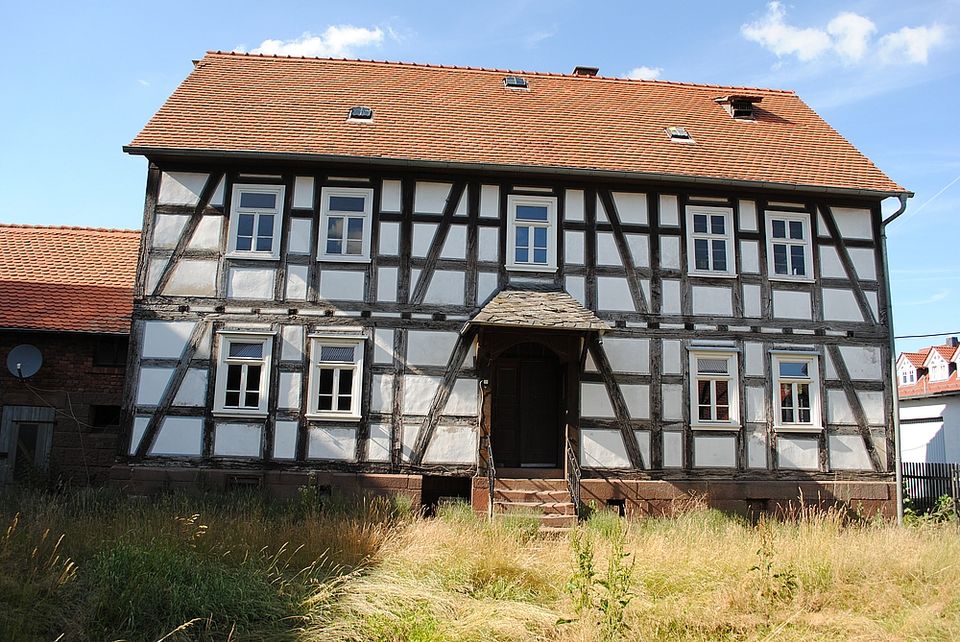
[(531, 307), (70, 279), (256, 106)]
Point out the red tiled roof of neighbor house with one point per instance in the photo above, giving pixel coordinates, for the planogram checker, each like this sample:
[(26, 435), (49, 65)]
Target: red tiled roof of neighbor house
[(916, 359), (924, 387), (72, 279), (945, 351), (262, 106)]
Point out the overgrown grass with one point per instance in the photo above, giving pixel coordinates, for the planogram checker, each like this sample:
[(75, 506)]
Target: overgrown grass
[(93, 565)]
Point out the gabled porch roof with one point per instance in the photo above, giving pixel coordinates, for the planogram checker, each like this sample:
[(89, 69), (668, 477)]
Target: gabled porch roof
[(540, 308)]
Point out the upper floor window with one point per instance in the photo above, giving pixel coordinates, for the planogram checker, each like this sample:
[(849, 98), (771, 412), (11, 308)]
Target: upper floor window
[(335, 378), (255, 217), (243, 373), (346, 219), (532, 233), (788, 246), (939, 370), (710, 241), (908, 376), (714, 391), (796, 384)]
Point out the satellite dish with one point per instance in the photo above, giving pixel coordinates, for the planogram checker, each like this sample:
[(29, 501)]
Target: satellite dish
[(24, 361)]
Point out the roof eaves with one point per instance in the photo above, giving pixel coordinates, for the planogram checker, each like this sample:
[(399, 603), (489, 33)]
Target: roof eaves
[(174, 152)]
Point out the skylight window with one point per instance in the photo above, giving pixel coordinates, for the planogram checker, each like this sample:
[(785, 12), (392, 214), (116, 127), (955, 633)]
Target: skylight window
[(679, 134), (360, 113), (515, 82)]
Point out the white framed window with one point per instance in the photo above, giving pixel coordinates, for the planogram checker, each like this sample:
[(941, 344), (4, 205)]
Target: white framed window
[(908, 376), (939, 369), (255, 220), (789, 252), (531, 233), (243, 373), (710, 241), (796, 391), (336, 377), (714, 389), (346, 218)]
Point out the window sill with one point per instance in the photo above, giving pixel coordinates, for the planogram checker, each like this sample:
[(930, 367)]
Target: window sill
[(341, 418), (543, 269), (712, 275), (339, 258), (799, 429), (792, 279), (252, 256), (716, 427), (241, 414)]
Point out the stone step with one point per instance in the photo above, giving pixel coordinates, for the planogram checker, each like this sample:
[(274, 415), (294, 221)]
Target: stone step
[(530, 495), (546, 508), (558, 521)]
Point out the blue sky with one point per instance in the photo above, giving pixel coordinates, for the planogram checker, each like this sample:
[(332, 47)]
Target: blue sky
[(81, 78)]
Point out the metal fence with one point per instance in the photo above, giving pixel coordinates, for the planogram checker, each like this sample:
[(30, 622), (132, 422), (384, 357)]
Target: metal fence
[(925, 483)]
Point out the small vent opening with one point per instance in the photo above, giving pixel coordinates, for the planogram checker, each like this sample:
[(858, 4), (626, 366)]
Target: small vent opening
[(360, 113), (515, 82)]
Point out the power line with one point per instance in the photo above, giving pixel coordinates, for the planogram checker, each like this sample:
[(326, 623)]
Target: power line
[(924, 336)]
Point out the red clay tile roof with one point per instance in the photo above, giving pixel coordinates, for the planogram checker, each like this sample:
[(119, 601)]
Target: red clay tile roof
[(917, 358), (945, 351), (924, 387), (245, 104), (70, 279)]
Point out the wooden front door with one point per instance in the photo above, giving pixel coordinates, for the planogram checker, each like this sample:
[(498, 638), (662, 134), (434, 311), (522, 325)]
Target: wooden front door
[(526, 422)]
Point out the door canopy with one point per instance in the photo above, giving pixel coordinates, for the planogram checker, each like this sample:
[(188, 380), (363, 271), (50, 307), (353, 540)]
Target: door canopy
[(543, 309)]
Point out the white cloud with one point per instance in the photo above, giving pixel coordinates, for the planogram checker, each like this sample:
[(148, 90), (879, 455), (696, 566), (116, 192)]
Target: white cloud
[(936, 297), (773, 33), (851, 33), (911, 44), (848, 35), (337, 41), (644, 73), (143, 82)]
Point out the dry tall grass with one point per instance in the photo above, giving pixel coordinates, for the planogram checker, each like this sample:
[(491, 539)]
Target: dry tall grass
[(244, 568)]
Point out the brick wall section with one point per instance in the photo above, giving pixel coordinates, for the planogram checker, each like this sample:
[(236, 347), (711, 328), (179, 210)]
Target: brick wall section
[(68, 381)]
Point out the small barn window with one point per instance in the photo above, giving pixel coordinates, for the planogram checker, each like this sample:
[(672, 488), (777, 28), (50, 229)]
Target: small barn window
[(532, 233), (255, 218), (243, 374), (336, 375), (346, 220), (788, 246), (796, 384), (714, 391)]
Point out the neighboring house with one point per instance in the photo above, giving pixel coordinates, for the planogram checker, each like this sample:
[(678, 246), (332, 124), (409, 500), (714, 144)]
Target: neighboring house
[(929, 390), (392, 270), (66, 294)]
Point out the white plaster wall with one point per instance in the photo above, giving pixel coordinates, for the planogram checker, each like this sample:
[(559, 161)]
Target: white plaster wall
[(838, 409), (291, 346), (418, 392), (628, 354), (299, 241), (464, 398), (167, 229), (288, 393), (671, 297), (179, 436), (872, 402), (490, 201), (669, 210), (756, 449), (639, 245), (193, 389), (430, 347), (601, 212), (613, 293), (139, 427), (297, 276), (863, 363), (165, 339), (152, 383), (670, 252), (709, 300), (455, 246), (715, 451), (848, 452), (342, 285), (303, 192), (378, 445), (154, 269), (332, 443), (387, 284), (486, 285), (755, 403), (573, 205), (389, 238), (573, 247), (671, 356), (840, 305), (594, 401), (637, 397), (452, 445), (800, 453), (602, 449), (853, 223), (237, 440), (575, 287), (672, 449), (285, 440), (430, 198), (383, 345), (408, 438), (749, 257), (422, 238), (250, 283), (791, 305), (446, 288), (631, 207), (488, 244), (207, 234), (748, 216), (193, 277), (753, 359), (864, 263), (381, 399), (180, 188), (607, 253), (390, 196), (751, 301), (830, 265), (643, 443), (672, 395)]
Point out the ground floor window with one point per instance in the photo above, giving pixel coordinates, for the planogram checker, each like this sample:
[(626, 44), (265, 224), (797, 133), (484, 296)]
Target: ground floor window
[(336, 371), (796, 384), (243, 373), (714, 389)]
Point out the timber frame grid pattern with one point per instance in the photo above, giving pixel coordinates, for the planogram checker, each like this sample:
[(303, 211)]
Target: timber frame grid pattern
[(621, 250)]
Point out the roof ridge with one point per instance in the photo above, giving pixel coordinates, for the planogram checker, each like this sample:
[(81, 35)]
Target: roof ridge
[(545, 74), (68, 228)]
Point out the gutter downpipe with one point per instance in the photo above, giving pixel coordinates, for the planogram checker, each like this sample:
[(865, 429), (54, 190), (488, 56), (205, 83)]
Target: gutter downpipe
[(893, 352)]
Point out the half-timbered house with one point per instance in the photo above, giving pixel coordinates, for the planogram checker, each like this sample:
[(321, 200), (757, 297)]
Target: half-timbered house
[(456, 280)]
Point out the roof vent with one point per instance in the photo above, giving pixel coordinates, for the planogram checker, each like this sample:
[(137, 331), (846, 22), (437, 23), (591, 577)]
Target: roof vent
[(679, 134), (585, 71), (515, 82), (360, 113), (740, 107)]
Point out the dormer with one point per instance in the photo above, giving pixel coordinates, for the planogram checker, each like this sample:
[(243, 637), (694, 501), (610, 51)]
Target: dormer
[(906, 372), (741, 107), (937, 364)]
